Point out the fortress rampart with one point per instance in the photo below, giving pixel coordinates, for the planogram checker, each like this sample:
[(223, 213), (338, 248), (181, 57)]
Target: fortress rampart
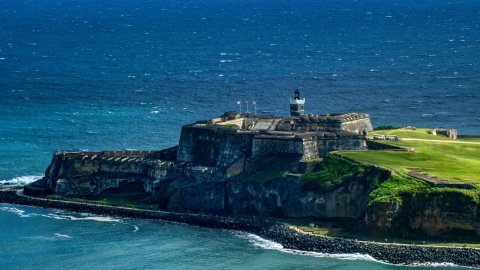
[(217, 148)]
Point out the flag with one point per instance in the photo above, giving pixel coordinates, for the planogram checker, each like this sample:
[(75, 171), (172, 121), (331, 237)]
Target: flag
[(238, 102), (254, 102), (246, 102)]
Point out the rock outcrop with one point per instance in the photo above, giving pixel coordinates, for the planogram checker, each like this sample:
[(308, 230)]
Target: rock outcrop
[(438, 213)]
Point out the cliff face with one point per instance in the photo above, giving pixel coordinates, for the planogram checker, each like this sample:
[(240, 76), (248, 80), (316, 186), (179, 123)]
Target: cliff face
[(235, 196), (441, 213), (268, 188)]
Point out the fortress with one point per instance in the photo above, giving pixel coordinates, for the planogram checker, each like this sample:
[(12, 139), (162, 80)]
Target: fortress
[(226, 142), (208, 154)]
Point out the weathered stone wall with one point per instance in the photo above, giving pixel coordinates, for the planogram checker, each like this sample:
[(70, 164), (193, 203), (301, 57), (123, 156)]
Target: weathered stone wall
[(277, 144), (90, 173), (308, 146), (169, 154), (357, 126), (211, 147), (339, 142), (355, 123), (373, 145), (450, 133)]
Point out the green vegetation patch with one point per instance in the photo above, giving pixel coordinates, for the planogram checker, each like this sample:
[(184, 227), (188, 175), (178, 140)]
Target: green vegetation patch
[(449, 199), (336, 171), (385, 128), (270, 179), (394, 187)]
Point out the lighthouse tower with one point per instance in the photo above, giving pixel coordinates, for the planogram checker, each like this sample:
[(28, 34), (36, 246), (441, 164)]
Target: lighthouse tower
[(296, 105)]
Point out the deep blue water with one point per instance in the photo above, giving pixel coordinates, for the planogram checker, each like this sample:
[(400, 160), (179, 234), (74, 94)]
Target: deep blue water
[(127, 74)]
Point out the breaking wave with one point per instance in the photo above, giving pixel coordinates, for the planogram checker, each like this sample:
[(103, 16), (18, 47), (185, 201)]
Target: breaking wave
[(262, 243), (21, 181)]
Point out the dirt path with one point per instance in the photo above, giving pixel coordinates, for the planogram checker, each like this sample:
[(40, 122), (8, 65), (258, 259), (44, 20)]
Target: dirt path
[(439, 141)]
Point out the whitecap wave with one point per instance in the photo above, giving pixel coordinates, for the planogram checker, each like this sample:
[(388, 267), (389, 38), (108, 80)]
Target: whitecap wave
[(85, 217), (21, 181), (62, 236), (260, 242), (56, 237), (19, 212)]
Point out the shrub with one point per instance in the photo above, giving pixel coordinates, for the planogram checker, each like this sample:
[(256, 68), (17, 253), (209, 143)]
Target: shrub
[(335, 171), (385, 127)]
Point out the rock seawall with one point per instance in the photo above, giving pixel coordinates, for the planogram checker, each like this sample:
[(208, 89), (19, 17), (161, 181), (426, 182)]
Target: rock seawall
[(287, 236)]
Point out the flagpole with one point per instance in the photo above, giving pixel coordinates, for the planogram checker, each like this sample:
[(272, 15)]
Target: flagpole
[(240, 103)]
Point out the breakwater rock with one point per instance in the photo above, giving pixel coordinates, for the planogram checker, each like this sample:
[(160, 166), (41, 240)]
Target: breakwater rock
[(289, 237)]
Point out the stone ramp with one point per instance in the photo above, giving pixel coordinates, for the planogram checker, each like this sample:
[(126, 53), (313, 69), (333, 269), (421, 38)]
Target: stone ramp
[(439, 182)]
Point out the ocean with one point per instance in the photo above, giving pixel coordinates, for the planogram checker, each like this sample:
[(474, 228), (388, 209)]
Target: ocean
[(118, 75)]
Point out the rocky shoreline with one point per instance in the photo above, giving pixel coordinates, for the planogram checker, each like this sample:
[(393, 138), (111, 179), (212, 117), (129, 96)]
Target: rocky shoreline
[(288, 236)]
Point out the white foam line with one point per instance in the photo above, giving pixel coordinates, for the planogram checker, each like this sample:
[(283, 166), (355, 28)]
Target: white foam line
[(20, 213), (260, 242), (94, 218)]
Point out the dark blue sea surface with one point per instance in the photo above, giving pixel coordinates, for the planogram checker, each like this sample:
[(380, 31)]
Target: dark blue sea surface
[(113, 75)]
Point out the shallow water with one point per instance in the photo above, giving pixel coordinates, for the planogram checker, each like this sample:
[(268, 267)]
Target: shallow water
[(52, 239)]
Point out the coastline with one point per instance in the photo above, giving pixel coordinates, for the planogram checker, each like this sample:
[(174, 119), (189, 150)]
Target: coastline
[(288, 236)]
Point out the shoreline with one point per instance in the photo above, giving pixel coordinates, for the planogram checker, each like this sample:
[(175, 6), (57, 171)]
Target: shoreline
[(288, 236)]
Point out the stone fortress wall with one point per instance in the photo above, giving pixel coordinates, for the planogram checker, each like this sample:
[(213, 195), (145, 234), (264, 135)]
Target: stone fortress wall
[(78, 172), (351, 122), (450, 133)]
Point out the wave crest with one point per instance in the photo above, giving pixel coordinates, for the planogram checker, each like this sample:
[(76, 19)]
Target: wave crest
[(21, 181)]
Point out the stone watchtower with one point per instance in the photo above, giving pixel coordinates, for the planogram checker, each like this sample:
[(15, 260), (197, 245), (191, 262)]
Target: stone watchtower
[(296, 105)]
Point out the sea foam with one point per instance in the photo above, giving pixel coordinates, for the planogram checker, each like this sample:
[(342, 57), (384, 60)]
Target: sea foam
[(21, 181), (262, 243)]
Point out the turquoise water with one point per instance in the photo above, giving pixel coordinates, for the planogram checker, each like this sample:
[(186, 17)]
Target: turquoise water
[(116, 75), (53, 239)]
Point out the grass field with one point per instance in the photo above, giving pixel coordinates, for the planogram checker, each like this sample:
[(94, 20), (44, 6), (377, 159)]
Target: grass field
[(453, 160)]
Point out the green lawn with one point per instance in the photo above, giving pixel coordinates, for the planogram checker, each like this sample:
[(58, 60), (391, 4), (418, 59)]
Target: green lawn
[(449, 160)]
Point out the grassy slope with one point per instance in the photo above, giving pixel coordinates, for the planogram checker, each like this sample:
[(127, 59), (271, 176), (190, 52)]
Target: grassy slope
[(449, 160)]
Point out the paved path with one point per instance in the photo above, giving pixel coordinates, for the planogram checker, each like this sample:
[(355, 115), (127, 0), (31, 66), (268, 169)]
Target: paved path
[(439, 141)]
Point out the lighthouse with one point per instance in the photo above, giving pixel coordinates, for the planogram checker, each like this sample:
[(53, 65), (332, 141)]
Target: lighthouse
[(296, 105)]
